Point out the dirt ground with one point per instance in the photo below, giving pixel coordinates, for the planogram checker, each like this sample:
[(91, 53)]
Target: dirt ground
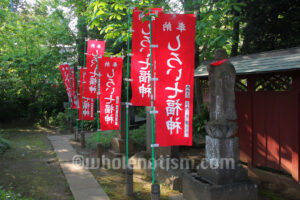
[(113, 181), (271, 186), (275, 185), (30, 167)]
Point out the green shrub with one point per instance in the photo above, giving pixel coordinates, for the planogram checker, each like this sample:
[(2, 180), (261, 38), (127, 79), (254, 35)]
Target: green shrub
[(105, 139), (61, 120), (91, 124), (139, 137), (199, 122), (140, 111), (4, 145), (10, 195)]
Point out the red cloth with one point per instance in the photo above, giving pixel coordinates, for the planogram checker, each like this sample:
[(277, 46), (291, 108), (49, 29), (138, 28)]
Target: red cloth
[(175, 37), (70, 85), (65, 72), (219, 62), (94, 48), (88, 103), (140, 61), (90, 86), (74, 95), (110, 92)]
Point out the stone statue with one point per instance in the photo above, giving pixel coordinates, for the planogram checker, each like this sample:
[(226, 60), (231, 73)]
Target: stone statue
[(222, 97), (219, 181), (222, 82)]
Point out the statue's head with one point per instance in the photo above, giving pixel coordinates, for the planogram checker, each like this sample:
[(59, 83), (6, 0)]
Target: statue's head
[(221, 54)]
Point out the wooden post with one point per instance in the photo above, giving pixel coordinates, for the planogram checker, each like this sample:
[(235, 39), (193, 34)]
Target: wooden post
[(155, 192), (295, 89), (99, 153), (82, 139), (250, 91), (129, 180)]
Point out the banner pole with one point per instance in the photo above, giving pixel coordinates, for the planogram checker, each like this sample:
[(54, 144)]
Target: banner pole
[(155, 188), (98, 110), (83, 80), (77, 114), (152, 104), (70, 99), (127, 85), (129, 168)]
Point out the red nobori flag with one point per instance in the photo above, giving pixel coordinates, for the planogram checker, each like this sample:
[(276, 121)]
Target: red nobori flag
[(94, 48), (110, 92), (140, 61), (87, 109), (65, 72), (90, 86), (74, 95), (175, 37)]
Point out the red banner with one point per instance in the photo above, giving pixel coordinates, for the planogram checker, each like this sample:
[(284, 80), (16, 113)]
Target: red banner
[(87, 109), (140, 61), (94, 48), (74, 95), (90, 86), (175, 37), (65, 72), (110, 99)]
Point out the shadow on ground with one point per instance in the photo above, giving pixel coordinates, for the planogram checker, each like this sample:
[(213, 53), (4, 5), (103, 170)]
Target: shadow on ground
[(30, 166)]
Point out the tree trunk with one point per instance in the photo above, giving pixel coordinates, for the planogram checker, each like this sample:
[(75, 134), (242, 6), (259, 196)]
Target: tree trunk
[(82, 34), (191, 5), (236, 34)]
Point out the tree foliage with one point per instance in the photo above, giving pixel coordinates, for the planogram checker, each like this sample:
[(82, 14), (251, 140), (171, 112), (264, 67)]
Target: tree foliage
[(33, 42), (34, 39), (270, 25), (111, 19), (214, 27)]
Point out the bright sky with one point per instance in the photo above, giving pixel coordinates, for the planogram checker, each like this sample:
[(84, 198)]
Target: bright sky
[(175, 5), (68, 13)]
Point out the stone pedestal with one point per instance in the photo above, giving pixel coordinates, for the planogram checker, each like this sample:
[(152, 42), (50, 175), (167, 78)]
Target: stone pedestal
[(172, 152), (196, 188), (220, 176), (119, 145), (218, 149)]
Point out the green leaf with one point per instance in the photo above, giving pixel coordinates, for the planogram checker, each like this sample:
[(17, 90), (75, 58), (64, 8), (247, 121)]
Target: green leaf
[(237, 8)]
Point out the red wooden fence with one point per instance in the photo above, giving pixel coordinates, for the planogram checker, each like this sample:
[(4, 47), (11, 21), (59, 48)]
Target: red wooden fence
[(268, 123)]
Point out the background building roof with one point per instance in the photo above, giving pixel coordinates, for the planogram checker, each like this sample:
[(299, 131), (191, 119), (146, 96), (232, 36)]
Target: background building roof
[(277, 60)]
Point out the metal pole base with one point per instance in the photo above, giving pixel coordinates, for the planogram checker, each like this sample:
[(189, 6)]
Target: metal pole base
[(71, 126), (82, 140), (155, 192), (76, 134), (99, 153), (129, 180)]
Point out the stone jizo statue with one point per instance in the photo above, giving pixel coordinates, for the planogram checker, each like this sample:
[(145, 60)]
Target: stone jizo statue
[(222, 98)]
